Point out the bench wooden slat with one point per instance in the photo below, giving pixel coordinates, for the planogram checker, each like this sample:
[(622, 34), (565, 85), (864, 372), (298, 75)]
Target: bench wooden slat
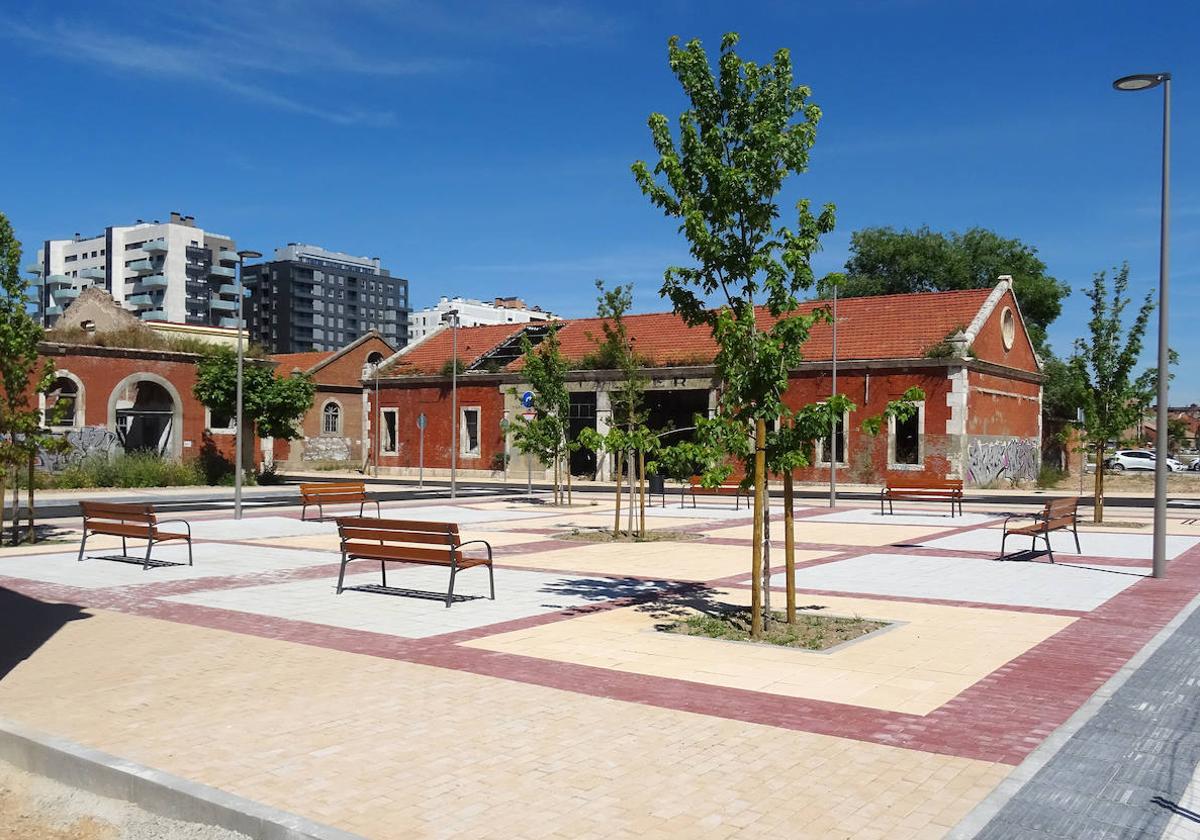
[(420, 537), (126, 520), (1057, 515), (334, 492), (925, 488), (409, 554)]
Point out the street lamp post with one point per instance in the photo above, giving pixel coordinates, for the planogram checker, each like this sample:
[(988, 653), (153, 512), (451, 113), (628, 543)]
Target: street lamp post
[(451, 317), (237, 432), (1145, 81), (832, 417)]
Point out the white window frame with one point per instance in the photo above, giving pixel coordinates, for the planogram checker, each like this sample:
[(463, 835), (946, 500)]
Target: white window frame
[(383, 450), (464, 450), (822, 460), (231, 429), (920, 465), (80, 403), (341, 416)]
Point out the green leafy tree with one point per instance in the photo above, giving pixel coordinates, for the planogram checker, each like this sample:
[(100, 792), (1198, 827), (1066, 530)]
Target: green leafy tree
[(22, 376), (547, 435), (1179, 435), (746, 130), (1114, 396), (885, 261), (273, 404)]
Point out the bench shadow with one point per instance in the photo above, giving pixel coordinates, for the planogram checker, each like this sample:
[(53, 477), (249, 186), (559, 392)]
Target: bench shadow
[(419, 594), (27, 623), (133, 561), (1036, 556)]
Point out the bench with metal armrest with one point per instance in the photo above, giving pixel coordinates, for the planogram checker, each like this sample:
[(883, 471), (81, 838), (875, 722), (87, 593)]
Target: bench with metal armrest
[(137, 521), (726, 489), (1057, 515), (334, 493), (922, 488), (404, 541)]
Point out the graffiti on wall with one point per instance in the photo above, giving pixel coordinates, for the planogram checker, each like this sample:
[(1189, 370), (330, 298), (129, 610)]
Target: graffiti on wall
[(990, 461), (326, 448), (81, 444)]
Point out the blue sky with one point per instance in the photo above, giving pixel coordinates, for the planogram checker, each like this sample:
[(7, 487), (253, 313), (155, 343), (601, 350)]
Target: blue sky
[(484, 148)]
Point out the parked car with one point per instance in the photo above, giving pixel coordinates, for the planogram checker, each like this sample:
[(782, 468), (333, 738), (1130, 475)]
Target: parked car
[(1195, 465), (1138, 459)]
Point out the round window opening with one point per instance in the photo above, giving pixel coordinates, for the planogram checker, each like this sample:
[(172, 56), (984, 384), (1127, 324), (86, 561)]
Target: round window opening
[(1008, 328)]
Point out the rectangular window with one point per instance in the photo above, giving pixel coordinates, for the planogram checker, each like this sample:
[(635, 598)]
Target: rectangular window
[(387, 434), (839, 442), (468, 434), (70, 258), (905, 443), (219, 424)]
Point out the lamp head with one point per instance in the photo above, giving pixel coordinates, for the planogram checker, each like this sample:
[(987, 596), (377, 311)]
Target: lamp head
[(1141, 81), (249, 255)]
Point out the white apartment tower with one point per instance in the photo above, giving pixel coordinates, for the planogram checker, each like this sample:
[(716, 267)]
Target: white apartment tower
[(473, 313), (163, 271)]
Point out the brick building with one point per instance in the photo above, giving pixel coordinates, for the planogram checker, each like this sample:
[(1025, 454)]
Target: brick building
[(336, 428), (968, 351)]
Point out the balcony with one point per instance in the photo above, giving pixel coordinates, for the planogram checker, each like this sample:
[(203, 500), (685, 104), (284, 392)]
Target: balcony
[(57, 281), (34, 268), (92, 273), (36, 281), (230, 257), (69, 293), (139, 301), (154, 315), (228, 289), (220, 305), (229, 323), (141, 266), (155, 246), (222, 271), (152, 281)]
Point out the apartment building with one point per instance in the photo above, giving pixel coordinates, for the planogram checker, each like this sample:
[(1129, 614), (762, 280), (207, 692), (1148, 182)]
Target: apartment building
[(167, 271), (473, 313), (309, 298)]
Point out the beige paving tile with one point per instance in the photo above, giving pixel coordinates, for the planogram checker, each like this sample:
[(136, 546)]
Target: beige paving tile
[(329, 542), (930, 656), (391, 749)]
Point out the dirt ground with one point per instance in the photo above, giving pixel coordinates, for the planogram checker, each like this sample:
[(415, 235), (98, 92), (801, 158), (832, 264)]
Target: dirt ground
[(1183, 484), (36, 808)]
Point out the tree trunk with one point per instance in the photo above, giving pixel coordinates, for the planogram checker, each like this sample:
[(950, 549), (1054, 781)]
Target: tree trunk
[(766, 563), (3, 477), (617, 515), (789, 545), (629, 482), (16, 523), (642, 494), (1098, 507), (32, 536), (568, 462), (756, 558)]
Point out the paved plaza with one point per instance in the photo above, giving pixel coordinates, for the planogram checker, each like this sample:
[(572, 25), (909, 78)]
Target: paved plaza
[(1004, 698)]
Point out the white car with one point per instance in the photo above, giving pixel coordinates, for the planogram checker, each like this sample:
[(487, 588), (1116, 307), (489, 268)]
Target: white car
[(1138, 459)]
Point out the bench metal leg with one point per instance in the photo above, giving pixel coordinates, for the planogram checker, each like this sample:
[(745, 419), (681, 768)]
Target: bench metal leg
[(491, 582), (383, 572), (450, 591), (1003, 540), (146, 562), (1075, 528), (1049, 550), (341, 574), (82, 545), (189, 542), (124, 550), (304, 512)]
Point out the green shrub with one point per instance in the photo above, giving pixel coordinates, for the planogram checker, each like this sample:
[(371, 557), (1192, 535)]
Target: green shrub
[(135, 469), (1050, 476)]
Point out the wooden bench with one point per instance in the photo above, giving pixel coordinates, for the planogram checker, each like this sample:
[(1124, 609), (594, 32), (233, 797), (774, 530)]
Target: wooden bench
[(721, 490), (403, 541), (334, 493), (1057, 515), (922, 488), (130, 520)]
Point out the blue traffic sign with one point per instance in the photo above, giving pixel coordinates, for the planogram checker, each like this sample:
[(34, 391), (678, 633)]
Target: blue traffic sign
[(527, 399), (420, 421)]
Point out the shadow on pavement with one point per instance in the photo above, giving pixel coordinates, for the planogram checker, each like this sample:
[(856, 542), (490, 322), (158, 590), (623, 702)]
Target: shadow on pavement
[(27, 623)]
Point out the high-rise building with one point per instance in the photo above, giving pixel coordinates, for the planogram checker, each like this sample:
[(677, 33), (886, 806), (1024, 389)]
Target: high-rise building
[(309, 298), (163, 271), (473, 313)]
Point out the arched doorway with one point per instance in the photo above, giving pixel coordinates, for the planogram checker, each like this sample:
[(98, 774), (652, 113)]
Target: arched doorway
[(145, 414)]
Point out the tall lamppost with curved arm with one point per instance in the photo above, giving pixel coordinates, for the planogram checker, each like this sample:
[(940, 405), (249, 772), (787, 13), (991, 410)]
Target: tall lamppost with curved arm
[(1145, 81), (237, 433)]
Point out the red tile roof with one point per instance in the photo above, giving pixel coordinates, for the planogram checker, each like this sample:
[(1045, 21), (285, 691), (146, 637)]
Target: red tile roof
[(430, 355), (883, 327), (303, 361)]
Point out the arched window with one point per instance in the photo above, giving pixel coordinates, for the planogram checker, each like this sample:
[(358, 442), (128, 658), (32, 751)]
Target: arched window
[(375, 358), (62, 402), (331, 419)]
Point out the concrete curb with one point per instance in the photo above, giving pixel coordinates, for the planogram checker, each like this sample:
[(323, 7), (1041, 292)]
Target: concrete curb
[(982, 814), (152, 790)]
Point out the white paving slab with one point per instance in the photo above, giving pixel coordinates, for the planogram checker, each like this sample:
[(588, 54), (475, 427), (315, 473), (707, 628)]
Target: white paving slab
[(519, 594), (461, 515), (211, 560), (713, 512), (257, 527), (866, 516), (1012, 583), (1131, 546)]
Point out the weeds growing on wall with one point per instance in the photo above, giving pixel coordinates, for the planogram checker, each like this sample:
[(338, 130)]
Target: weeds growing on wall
[(138, 469)]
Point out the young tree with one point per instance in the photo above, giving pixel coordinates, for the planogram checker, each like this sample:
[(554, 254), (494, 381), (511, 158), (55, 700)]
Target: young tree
[(21, 377), (273, 404), (745, 132), (1114, 397), (547, 435), (1179, 436)]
